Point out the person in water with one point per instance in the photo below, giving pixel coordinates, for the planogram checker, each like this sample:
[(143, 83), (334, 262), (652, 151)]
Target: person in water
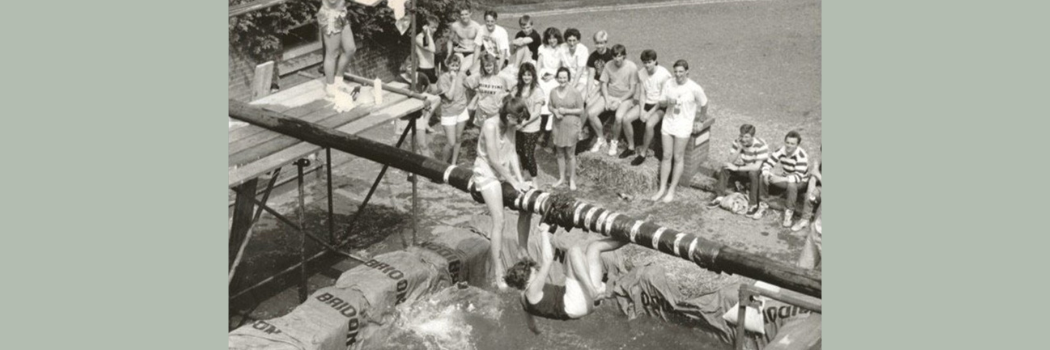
[(583, 280)]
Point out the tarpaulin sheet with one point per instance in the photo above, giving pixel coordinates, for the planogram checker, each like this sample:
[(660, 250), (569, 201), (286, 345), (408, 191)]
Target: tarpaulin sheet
[(645, 291)]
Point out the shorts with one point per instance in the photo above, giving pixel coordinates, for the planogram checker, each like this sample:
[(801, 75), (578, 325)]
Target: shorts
[(648, 107), (452, 120), (680, 127), (466, 60), (332, 21), (577, 304), (484, 177)]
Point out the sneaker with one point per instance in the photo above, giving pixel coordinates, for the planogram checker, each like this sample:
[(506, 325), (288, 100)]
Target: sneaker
[(597, 145), (787, 217), (759, 210), (801, 224), (638, 160), (627, 153), (613, 146)]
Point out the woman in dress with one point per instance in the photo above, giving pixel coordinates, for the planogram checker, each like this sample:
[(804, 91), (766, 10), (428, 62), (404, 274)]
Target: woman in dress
[(547, 64), (684, 100), (497, 161), (566, 106)]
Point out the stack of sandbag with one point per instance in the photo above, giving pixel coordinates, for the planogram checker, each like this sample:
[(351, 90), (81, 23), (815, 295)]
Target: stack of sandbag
[(362, 302)]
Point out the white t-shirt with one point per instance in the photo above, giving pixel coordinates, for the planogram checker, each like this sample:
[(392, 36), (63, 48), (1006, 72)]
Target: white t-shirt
[(687, 98), (576, 62), (498, 36), (653, 84)]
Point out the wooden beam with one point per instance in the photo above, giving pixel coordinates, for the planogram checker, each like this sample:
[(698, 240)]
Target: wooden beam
[(704, 252), (262, 80)]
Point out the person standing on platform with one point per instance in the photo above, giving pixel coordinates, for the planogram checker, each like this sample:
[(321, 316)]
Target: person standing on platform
[(339, 49)]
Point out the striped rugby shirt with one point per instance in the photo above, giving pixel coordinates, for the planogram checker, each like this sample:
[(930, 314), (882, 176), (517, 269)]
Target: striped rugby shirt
[(795, 164), (756, 153)]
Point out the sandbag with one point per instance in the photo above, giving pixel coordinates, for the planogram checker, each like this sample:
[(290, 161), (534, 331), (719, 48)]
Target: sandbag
[(330, 319), (471, 248)]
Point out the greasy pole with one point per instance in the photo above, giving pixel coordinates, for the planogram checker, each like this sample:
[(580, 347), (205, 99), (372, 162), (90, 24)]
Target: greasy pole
[(708, 254)]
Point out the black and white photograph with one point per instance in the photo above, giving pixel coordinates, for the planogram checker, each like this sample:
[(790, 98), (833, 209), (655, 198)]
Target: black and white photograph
[(524, 174)]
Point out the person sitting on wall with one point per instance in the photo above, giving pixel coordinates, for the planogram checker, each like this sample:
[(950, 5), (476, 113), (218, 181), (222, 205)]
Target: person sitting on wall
[(583, 279), (745, 164), (791, 175)]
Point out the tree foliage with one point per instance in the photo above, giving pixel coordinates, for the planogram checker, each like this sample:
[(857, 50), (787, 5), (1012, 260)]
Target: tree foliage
[(257, 34)]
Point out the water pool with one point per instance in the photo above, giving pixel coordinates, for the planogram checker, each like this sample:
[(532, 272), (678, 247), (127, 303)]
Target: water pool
[(473, 318)]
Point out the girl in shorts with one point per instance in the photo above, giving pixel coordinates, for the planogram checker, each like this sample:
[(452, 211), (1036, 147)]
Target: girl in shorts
[(339, 46), (497, 161), (529, 91), (453, 92), (566, 107), (684, 99)]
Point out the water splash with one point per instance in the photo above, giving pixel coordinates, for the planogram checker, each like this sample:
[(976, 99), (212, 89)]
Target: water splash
[(444, 320)]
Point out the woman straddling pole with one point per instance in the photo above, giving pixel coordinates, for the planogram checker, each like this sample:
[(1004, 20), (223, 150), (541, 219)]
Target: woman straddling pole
[(496, 161), (566, 107), (529, 91), (339, 49), (682, 97), (583, 278)]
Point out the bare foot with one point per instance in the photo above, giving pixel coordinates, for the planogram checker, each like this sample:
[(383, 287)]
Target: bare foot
[(502, 286), (669, 197), (657, 196), (572, 185), (558, 183)]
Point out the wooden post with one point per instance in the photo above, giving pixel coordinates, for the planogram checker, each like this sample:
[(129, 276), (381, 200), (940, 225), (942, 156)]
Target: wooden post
[(262, 80), (242, 216)]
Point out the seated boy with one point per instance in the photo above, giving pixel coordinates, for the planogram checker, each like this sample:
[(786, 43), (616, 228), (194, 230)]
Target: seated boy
[(745, 165)]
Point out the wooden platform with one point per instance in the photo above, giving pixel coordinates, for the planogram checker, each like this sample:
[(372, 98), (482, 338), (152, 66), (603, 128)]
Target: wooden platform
[(254, 151)]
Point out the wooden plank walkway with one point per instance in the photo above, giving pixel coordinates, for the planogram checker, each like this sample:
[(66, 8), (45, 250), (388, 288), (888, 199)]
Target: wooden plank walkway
[(254, 151)]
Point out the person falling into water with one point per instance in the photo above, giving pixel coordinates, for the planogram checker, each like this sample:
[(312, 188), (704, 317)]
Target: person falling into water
[(583, 279)]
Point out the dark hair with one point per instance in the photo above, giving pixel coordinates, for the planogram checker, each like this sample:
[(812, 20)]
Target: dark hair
[(526, 67), (747, 129), (524, 19), (681, 63), (488, 59), (793, 134), (648, 55), (517, 276), (513, 105), (572, 32), (566, 70), (491, 13), (452, 59), (552, 32), (619, 49)]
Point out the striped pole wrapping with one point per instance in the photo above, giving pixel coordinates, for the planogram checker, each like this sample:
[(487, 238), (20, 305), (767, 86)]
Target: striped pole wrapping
[(706, 253)]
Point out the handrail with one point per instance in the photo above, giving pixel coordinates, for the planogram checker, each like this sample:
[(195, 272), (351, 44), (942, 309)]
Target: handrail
[(747, 291)]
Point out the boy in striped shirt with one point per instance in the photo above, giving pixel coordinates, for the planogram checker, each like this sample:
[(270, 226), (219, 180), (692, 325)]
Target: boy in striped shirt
[(745, 164), (792, 175)]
